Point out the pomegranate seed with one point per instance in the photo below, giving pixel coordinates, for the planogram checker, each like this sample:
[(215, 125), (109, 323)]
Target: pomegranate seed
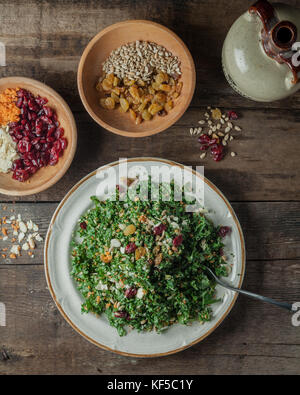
[(158, 230), (83, 225), (232, 115), (121, 314), (224, 230), (177, 240), (130, 292), (131, 247)]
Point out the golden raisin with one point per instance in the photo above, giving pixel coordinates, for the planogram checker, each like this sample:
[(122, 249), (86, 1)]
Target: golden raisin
[(124, 104), (110, 103), (129, 230)]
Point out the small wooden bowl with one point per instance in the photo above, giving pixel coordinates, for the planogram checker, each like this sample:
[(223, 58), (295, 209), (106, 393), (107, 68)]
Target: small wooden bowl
[(90, 69), (46, 176)]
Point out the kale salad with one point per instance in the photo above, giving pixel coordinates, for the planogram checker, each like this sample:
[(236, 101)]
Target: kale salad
[(141, 261)]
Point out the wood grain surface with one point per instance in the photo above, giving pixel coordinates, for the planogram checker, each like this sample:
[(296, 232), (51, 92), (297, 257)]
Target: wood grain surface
[(44, 40)]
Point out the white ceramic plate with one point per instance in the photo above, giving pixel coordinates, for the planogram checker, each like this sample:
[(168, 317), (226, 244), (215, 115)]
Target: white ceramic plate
[(96, 329)]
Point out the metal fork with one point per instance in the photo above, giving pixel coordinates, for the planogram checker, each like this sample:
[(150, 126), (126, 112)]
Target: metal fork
[(284, 305)]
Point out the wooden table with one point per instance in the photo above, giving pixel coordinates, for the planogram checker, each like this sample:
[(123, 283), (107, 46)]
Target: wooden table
[(44, 40)]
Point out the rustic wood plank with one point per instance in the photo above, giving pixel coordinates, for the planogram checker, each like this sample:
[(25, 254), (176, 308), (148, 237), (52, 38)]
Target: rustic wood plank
[(265, 168), (271, 229), (255, 338), (48, 48)]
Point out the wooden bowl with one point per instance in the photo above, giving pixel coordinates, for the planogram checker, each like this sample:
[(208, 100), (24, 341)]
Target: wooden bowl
[(46, 176), (90, 69)]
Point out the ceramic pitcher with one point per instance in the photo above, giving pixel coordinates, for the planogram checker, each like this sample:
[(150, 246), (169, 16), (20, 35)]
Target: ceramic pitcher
[(260, 54)]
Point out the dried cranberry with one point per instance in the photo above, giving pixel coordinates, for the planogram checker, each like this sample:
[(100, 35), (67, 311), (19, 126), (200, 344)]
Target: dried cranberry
[(224, 230), (51, 130), (131, 247), (64, 143), (53, 159), (57, 146), (21, 175), (177, 240), (46, 119), (38, 136), (32, 169), (83, 225), (121, 314), (217, 158), (204, 139), (232, 115), (48, 111), (130, 292), (24, 146), (18, 164), (216, 149), (217, 152), (158, 230), (19, 102), (213, 141), (204, 147)]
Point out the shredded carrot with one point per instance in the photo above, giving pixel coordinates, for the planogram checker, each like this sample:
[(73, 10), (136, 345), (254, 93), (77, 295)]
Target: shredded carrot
[(9, 112)]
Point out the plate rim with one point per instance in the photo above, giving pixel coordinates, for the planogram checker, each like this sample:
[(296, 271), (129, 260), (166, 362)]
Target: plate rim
[(73, 325)]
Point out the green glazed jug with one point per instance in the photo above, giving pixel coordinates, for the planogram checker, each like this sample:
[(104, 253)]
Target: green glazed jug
[(260, 54)]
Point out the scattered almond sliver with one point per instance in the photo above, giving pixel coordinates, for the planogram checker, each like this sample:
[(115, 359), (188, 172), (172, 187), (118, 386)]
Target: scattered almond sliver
[(15, 230)]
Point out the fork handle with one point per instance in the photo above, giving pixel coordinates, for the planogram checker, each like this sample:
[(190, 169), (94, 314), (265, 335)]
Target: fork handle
[(284, 305)]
